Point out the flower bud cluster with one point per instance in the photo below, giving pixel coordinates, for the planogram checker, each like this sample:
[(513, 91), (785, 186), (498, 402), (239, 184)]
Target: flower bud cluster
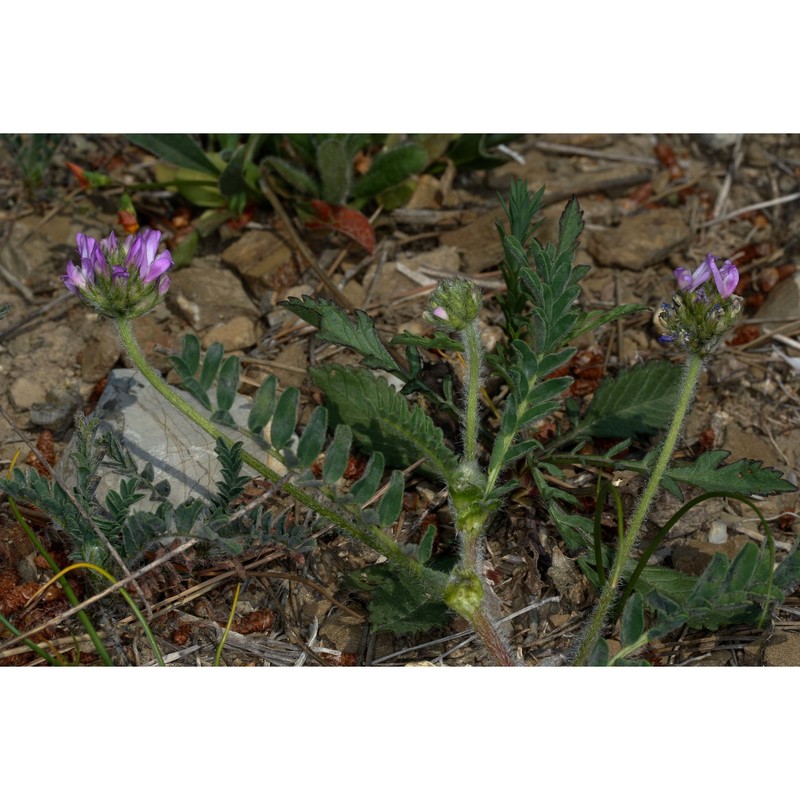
[(120, 279), (700, 313), (454, 305)]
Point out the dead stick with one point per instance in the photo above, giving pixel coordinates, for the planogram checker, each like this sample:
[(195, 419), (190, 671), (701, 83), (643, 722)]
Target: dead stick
[(301, 245)]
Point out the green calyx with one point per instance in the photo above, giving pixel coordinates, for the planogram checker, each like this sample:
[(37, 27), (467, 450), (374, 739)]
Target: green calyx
[(464, 594), (697, 322)]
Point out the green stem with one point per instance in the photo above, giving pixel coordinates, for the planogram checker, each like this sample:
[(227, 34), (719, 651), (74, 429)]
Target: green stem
[(691, 375), (472, 354), (372, 537)]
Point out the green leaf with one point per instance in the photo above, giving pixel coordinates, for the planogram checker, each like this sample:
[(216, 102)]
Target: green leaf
[(439, 341), (570, 227), (294, 176), (402, 606), (425, 548), (383, 420), (335, 169), (336, 326), (787, 575), (744, 476), (285, 419), (638, 402), (263, 405), (228, 383), (594, 319), (232, 181), (389, 168), (599, 655), (310, 444), (632, 622), (211, 365), (391, 503), (189, 360), (337, 455), (176, 148), (366, 486), (676, 586)]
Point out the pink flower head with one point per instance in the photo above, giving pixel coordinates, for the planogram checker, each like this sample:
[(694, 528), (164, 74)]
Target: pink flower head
[(725, 278), (120, 279), (440, 313), (142, 255)]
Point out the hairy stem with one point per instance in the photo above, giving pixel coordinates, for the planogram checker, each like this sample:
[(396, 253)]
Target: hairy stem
[(691, 375), (472, 354), (372, 537)]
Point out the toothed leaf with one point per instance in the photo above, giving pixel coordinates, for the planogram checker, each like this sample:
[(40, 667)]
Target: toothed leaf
[(337, 327), (383, 420)]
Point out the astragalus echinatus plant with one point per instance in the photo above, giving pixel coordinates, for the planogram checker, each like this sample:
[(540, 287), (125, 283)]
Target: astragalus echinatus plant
[(495, 450)]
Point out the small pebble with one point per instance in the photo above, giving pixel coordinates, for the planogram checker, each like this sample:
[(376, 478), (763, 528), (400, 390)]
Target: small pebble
[(718, 532)]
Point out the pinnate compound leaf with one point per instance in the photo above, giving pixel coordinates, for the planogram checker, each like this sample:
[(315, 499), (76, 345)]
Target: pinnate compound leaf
[(383, 420), (336, 326), (639, 401)]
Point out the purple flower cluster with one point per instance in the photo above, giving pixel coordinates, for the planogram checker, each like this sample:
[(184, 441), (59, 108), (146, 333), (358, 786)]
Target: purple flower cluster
[(697, 319), (725, 277), (120, 279)]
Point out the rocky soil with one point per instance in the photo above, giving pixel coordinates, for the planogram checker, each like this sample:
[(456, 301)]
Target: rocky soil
[(651, 203)]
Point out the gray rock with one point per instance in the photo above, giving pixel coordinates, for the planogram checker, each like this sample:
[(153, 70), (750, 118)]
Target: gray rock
[(154, 430)]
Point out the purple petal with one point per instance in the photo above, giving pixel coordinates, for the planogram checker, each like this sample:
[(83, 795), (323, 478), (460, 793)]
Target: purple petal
[(730, 279), (163, 284), (157, 267), (151, 239), (109, 244), (683, 277)]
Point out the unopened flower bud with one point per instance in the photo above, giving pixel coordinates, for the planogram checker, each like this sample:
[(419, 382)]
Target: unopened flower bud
[(454, 304)]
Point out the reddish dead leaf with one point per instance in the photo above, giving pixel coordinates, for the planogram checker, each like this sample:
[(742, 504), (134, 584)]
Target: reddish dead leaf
[(128, 221), (78, 174), (666, 155), (744, 334), (181, 634), (94, 395), (45, 446), (348, 221), (254, 622), (242, 220)]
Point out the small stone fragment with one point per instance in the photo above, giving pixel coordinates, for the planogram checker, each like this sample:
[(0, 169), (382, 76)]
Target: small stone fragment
[(25, 392)]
